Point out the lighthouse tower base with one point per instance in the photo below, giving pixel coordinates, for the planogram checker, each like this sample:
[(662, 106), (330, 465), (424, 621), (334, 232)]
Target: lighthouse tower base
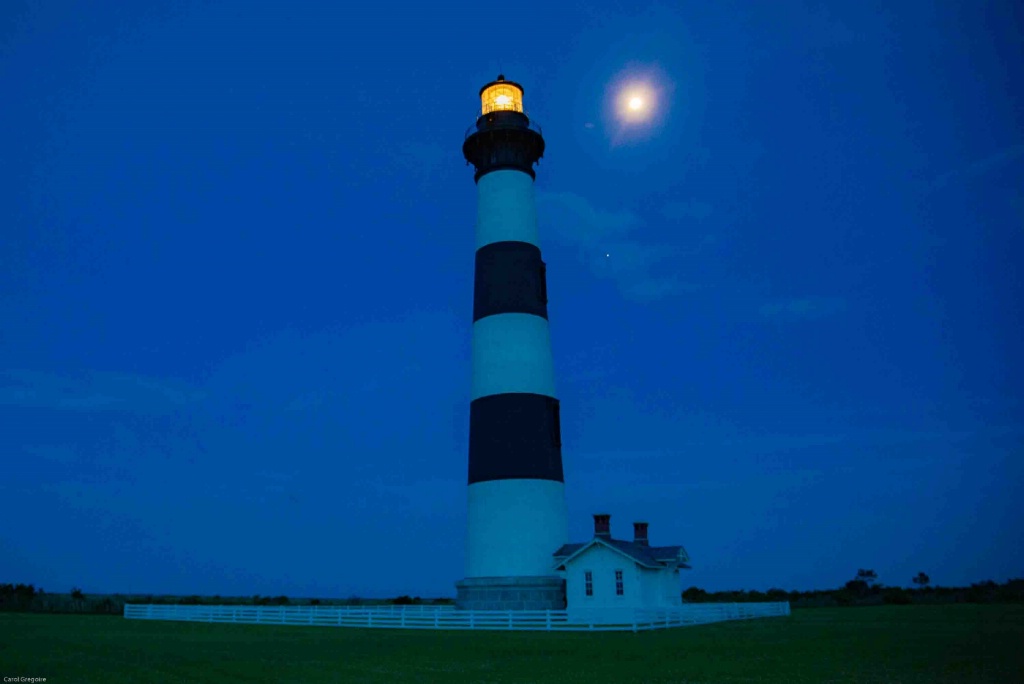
[(510, 593)]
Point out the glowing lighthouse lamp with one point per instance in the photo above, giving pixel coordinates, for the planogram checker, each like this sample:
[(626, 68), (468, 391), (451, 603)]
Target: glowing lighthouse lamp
[(516, 500), (501, 96)]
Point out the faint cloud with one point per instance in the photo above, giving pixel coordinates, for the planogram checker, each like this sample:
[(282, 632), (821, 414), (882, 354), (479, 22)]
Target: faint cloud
[(309, 401), (653, 289), (341, 382), (591, 223), (93, 391), (1017, 202), (276, 476), (686, 210), (821, 28), (242, 492), (980, 167), (61, 454), (801, 309), (605, 240), (420, 157)]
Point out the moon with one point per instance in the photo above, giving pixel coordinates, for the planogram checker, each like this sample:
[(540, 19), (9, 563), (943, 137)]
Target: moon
[(636, 103)]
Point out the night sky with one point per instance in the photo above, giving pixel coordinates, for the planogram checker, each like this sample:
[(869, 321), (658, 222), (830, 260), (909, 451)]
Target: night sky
[(236, 269)]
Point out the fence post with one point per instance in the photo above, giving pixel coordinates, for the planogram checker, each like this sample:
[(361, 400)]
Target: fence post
[(403, 618), (436, 614), (548, 619), (510, 619)]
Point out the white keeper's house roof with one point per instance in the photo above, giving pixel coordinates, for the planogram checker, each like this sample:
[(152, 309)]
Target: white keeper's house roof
[(647, 556)]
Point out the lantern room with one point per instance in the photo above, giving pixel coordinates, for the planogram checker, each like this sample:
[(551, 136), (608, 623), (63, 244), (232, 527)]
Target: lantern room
[(501, 96), (502, 137)]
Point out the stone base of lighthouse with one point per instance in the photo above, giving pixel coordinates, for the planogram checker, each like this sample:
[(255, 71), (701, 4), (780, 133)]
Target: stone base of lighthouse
[(510, 593)]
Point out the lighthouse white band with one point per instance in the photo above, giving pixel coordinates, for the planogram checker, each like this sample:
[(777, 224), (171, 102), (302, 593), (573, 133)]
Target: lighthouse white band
[(512, 353), (514, 527), (506, 210)]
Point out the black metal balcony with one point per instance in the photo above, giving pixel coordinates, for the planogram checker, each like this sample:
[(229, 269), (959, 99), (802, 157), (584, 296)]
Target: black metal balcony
[(503, 140)]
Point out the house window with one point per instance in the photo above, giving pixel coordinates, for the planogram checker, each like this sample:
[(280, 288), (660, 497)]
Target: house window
[(618, 583), (588, 582)]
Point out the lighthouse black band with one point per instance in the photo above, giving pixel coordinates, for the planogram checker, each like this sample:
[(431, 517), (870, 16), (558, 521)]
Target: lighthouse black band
[(510, 278), (514, 437)]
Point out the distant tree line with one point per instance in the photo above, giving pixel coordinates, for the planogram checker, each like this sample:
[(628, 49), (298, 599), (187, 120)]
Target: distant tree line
[(865, 590), (27, 598)]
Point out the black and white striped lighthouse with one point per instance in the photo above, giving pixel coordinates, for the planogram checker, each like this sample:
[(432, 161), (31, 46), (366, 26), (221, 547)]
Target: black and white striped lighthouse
[(517, 514)]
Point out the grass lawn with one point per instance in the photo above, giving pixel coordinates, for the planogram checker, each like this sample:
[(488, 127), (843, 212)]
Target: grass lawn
[(926, 644)]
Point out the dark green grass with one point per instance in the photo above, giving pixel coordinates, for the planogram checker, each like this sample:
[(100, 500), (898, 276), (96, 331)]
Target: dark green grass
[(926, 644)]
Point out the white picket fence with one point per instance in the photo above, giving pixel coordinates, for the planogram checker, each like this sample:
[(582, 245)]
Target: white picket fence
[(444, 617), (703, 613)]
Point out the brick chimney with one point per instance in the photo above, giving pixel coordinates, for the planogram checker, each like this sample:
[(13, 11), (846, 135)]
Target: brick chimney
[(640, 533), (603, 525)]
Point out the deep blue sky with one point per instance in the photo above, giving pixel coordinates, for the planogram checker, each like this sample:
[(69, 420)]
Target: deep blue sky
[(236, 264)]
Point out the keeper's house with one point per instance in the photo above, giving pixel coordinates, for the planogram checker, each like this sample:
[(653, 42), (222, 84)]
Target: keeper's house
[(607, 579)]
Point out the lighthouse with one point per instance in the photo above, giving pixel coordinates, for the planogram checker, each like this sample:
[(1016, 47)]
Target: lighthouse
[(516, 501)]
